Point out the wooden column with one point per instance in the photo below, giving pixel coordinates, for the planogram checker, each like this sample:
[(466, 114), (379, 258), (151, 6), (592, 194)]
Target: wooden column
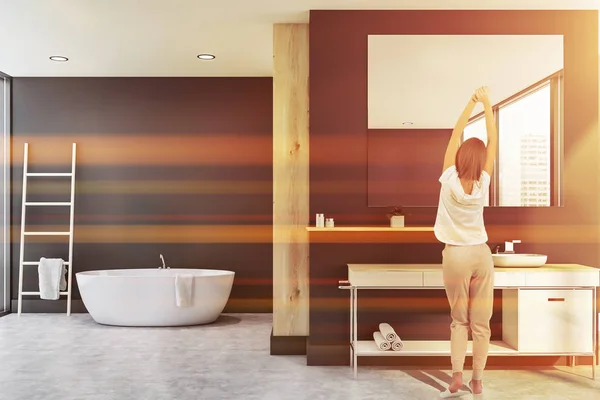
[(290, 180)]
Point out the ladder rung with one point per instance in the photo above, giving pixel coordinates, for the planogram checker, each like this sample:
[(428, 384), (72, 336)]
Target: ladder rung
[(38, 263), (47, 233), (37, 293), (48, 203), (49, 174)]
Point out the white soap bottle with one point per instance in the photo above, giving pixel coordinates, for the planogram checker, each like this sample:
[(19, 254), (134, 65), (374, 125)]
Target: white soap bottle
[(320, 221)]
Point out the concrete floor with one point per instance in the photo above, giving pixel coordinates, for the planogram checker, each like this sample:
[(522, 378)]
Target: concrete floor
[(52, 357)]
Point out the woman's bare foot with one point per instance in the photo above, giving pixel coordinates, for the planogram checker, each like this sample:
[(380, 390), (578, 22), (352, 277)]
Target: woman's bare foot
[(457, 382), (476, 386)]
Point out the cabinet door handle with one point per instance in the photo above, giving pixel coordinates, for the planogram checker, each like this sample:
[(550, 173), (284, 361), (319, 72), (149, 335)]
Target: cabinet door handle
[(556, 299)]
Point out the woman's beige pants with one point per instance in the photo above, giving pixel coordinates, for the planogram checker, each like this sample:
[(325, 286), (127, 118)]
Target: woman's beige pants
[(469, 283)]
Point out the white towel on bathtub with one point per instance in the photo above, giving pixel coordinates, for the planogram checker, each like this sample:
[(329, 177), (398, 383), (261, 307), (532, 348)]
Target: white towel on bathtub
[(184, 289), (51, 277)]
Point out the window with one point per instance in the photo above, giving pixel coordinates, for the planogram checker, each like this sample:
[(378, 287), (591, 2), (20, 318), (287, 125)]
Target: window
[(528, 144), (524, 150)]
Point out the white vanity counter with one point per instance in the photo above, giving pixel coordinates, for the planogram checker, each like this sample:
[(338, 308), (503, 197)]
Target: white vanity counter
[(431, 276), (549, 310)]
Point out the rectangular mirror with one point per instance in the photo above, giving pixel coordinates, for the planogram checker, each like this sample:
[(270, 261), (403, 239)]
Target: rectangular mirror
[(418, 85)]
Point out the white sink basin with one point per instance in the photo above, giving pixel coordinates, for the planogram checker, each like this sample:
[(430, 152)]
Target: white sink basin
[(519, 260)]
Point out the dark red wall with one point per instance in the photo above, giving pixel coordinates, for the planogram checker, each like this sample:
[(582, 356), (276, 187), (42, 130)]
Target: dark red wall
[(339, 159), (178, 166), (404, 166)]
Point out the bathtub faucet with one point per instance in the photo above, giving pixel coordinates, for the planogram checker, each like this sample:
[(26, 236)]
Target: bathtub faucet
[(163, 263)]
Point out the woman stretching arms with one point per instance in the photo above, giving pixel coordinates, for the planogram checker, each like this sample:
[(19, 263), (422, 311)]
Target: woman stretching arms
[(467, 260)]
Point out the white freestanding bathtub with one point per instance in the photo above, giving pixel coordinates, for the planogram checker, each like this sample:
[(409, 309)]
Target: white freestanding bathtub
[(146, 297)]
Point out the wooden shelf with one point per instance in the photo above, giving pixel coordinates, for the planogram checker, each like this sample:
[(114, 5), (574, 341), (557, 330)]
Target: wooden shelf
[(372, 234), (371, 229), (368, 348), (497, 233)]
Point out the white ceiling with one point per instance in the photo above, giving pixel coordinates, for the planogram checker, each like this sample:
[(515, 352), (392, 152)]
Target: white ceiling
[(162, 37), (428, 79)]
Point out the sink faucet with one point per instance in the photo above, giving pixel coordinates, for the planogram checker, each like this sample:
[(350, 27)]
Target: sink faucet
[(509, 246), (163, 263)]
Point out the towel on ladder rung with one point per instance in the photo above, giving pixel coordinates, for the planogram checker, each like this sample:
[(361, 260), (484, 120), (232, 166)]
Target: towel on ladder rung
[(52, 280)]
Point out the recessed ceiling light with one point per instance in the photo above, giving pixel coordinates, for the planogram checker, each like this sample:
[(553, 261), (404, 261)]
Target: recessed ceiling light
[(206, 56), (59, 58), (407, 123)]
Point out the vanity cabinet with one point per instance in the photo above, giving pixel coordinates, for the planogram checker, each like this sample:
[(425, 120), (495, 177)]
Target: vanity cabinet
[(548, 321)]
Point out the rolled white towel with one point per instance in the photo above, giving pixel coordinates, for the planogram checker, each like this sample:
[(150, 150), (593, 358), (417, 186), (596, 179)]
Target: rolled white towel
[(397, 345), (388, 332), (380, 341)]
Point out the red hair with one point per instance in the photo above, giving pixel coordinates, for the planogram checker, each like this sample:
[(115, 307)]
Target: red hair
[(470, 159)]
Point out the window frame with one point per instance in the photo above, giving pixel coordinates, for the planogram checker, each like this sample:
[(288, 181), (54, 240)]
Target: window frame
[(6, 170), (556, 83)]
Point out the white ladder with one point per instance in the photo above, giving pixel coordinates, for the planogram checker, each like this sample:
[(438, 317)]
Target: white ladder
[(24, 205)]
